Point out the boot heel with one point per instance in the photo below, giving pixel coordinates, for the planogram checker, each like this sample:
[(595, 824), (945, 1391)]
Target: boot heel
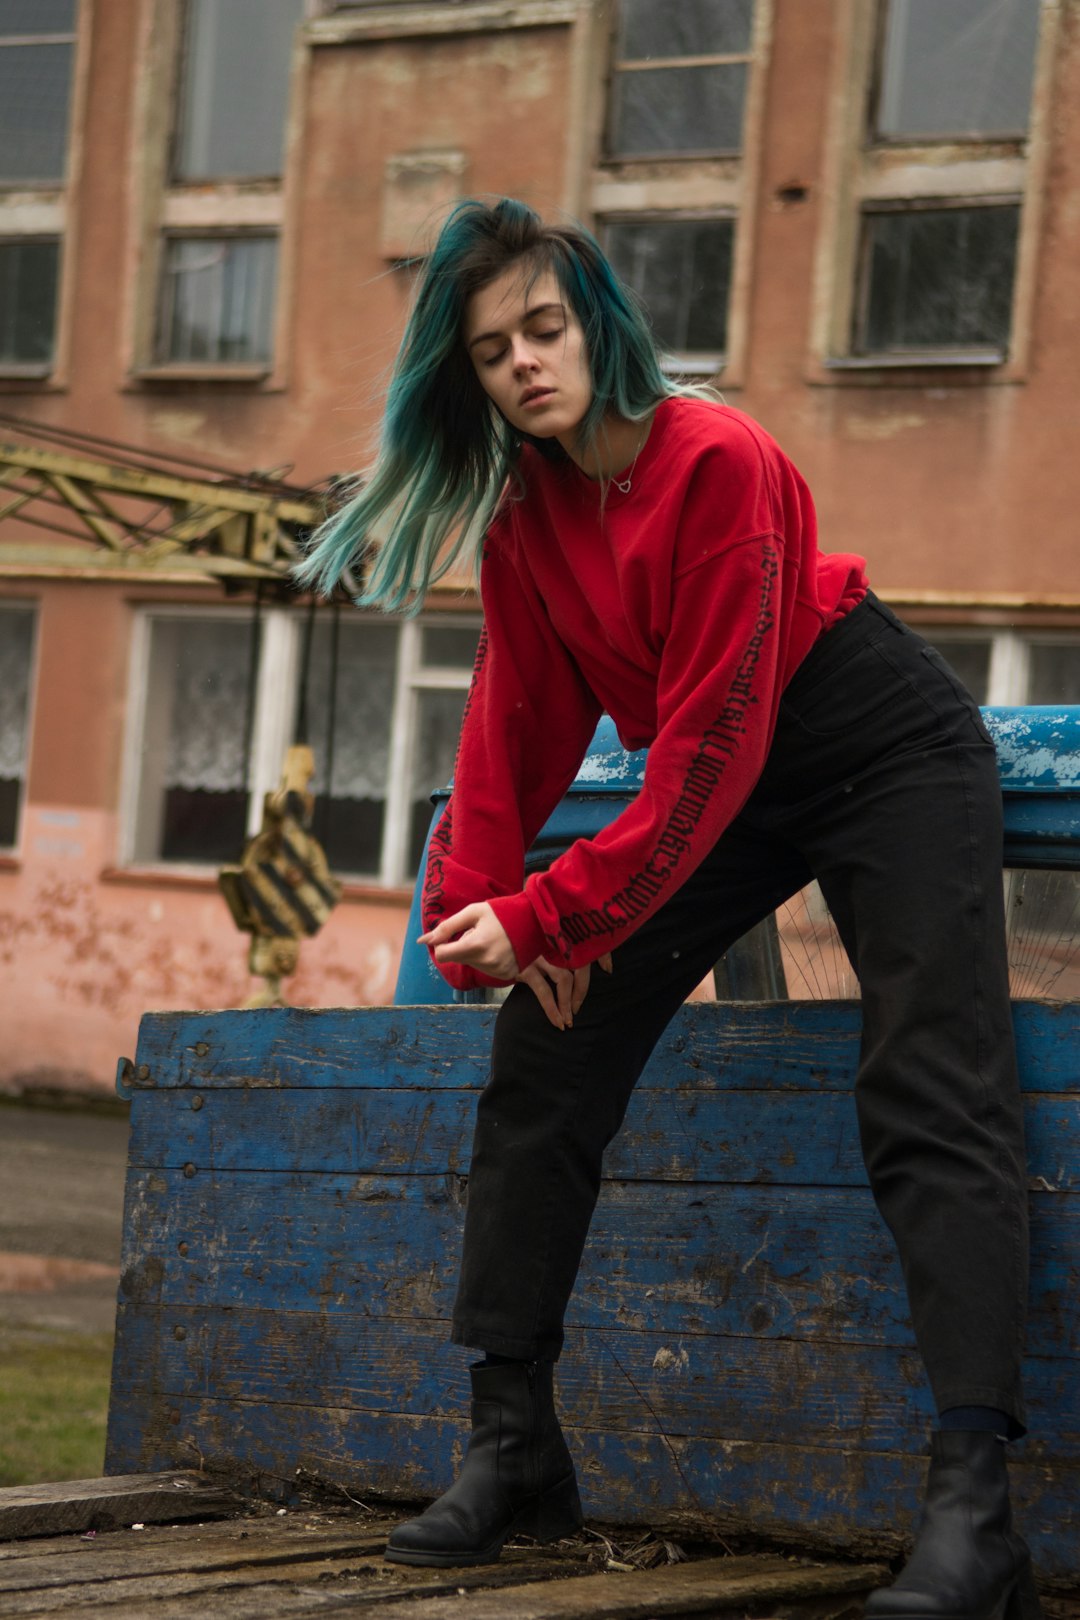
[(1023, 1601), (555, 1514)]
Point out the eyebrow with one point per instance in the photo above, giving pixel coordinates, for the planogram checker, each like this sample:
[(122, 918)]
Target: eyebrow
[(537, 309)]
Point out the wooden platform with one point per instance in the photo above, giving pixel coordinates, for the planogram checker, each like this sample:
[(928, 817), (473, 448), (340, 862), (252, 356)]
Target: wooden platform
[(258, 1564), (277, 1566), (739, 1358)]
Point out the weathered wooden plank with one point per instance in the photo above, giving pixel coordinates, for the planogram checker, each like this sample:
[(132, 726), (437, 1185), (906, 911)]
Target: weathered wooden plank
[(828, 1497), (66, 1585), (192, 1585), (826, 1395), (694, 1135), (67, 1560), (701, 1587), (688, 1134), (693, 1258), (89, 1504), (810, 1045), (304, 1588)]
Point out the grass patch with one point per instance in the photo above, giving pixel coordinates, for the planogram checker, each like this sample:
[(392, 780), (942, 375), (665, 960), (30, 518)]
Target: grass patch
[(54, 1399)]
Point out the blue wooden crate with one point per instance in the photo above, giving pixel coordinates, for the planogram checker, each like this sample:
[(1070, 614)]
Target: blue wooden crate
[(739, 1348), (739, 1352)]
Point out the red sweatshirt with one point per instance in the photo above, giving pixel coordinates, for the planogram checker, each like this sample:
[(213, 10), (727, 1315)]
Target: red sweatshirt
[(681, 607)]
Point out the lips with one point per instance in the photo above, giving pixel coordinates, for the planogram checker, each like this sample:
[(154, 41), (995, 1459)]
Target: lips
[(532, 396)]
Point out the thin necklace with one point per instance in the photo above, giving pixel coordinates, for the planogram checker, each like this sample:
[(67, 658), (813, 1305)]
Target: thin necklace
[(623, 484)]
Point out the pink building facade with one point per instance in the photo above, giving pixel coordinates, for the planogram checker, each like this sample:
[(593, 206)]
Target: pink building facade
[(860, 221)]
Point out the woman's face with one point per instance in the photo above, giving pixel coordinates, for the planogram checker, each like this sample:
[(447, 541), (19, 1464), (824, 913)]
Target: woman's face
[(528, 350)]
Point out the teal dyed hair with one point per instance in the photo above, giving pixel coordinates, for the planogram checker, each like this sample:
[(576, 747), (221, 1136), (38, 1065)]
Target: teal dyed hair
[(446, 453)]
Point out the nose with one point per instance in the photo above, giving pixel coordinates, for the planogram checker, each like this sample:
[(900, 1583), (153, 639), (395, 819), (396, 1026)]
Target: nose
[(524, 358)]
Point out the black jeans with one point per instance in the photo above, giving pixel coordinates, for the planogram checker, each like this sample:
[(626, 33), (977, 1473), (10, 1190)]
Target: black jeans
[(882, 784)]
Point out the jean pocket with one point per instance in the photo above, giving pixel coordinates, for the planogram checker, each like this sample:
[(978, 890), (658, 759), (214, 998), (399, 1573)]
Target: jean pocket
[(957, 692), (853, 694)]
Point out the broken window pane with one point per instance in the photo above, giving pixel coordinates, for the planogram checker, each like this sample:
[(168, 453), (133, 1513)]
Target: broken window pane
[(35, 88), (218, 299), (959, 68), (683, 28), (692, 109), (28, 282), (681, 271), (234, 88), (937, 278)]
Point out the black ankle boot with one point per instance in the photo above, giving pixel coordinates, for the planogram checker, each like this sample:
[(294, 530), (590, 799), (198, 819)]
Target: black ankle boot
[(968, 1563), (517, 1477)]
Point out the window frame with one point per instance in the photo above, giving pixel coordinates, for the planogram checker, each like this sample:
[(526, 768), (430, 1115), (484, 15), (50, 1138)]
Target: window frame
[(864, 172), (659, 64), (957, 354), (49, 210), (31, 606), (34, 368), (1009, 669), (709, 185), (276, 694), (167, 207), (690, 362), (239, 369)]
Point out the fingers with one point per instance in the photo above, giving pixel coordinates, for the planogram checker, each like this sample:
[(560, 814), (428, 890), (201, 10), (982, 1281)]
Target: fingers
[(541, 989), (579, 988), (450, 927), (560, 991)]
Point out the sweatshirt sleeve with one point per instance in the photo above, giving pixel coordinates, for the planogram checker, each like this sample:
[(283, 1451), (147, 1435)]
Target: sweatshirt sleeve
[(718, 694), (529, 718)]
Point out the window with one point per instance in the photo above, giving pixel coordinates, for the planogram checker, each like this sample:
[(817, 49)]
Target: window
[(221, 212), (28, 288), (679, 76), (37, 47), (963, 69), (218, 298), (1006, 667), (234, 88), (37, 59), (17, 626), (192, 793), (937, 278), (682, 122), (213, 716), (939, 151), (681, 270), (384, 729)]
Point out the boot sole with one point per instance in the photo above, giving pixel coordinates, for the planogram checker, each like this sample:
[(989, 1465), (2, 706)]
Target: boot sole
[(1021, 1602), (556, 1514)]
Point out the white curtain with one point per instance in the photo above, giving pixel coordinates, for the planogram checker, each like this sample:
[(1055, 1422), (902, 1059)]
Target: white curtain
[(16, 657), (209, 669)]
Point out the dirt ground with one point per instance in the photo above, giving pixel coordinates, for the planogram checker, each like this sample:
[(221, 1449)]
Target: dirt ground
[(61, 1207)]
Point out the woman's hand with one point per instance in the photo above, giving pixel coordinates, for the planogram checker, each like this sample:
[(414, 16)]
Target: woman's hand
[(560, 991), (475, 937)]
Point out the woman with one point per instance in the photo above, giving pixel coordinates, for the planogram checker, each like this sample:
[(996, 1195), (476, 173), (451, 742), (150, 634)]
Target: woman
[(650, 552)]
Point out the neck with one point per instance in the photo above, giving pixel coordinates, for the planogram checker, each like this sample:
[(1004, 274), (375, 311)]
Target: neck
[(615, 448)]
